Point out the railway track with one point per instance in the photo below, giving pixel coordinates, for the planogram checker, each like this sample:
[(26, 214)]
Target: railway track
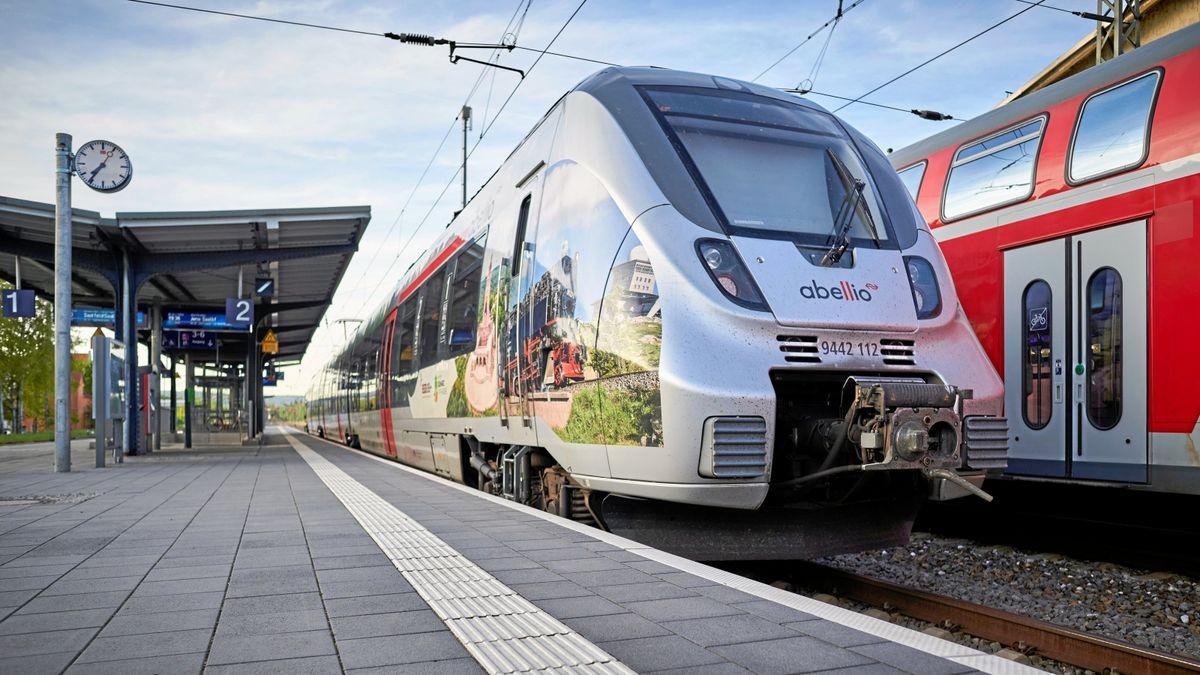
[(1031, 636)]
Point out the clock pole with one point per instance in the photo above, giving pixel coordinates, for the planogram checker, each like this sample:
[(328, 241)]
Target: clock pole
[(62, 303)]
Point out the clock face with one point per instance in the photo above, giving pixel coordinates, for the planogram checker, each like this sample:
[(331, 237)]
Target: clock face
[(103, 166)]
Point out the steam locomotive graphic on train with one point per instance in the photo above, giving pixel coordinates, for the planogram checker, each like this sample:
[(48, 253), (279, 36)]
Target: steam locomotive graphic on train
[(689, 309)]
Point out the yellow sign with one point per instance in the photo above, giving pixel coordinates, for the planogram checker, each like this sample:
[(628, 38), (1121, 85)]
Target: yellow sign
[(270, 343)]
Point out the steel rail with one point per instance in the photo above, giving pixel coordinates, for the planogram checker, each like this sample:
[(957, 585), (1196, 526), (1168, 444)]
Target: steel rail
[(1067, 645)]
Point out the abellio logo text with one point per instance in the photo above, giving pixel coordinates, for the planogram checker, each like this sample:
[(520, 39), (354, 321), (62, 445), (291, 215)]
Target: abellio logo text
[(844, 291)]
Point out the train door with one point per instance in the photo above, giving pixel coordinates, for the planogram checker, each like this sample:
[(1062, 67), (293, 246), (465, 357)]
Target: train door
[(1075, 355), (523, 331), (384, 369)]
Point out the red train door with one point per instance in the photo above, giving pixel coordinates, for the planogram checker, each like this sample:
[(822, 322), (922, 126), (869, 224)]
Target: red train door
[(385, 385), (1075, 355)]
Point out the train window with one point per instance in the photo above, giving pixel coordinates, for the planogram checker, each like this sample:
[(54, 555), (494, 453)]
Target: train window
[(1103, 356), (402, 350), (431, 316), (995, 171), (770, 167), (463, 298), (1113, 130), (911, 177), (1039, 329), (519, 241)]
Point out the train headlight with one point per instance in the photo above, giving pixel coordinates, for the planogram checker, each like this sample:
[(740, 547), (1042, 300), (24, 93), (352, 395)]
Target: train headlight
[(926, 296), (730, 274)]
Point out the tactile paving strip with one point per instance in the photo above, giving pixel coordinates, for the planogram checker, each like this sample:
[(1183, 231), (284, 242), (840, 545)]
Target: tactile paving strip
[(502, 630)]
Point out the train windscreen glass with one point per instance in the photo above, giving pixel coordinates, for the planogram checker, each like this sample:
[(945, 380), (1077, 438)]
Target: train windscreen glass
[(770, 167)]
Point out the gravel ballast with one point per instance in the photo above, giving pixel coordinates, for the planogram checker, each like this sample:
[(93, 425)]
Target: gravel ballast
[(1146, 608)]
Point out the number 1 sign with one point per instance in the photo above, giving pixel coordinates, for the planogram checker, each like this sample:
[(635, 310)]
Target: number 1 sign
[(18, 304), (239, 312)]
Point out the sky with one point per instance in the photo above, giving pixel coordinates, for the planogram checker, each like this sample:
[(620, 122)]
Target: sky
[(221, 113)]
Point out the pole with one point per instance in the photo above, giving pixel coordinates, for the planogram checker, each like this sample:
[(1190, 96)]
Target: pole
[(133, 419), (466, 119), (62, 302), (17, 272), (155, 398), (189, 399), (174, 399)]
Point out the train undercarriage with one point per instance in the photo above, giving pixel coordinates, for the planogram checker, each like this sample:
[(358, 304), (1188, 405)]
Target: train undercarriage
[(853, 460)]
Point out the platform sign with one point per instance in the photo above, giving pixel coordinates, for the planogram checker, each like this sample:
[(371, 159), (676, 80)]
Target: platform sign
[(205, 321), (189, 339), (102, 317), (268, 381), (239, 312), (264, 287), (18, 304), (270, 343)]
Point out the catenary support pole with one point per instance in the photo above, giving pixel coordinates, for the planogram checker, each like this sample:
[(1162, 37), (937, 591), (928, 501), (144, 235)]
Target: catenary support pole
[(466, 120), (62, 302)]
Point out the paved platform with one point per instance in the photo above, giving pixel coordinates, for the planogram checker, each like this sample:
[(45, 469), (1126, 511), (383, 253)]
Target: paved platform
[(302, 556)]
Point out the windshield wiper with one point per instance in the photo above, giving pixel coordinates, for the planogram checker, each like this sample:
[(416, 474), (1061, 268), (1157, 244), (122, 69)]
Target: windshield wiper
[(843, 220)]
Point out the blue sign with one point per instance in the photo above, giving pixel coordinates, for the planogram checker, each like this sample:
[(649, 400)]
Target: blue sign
[(205, 321), (101, 316), (239, 312), (189, 339), (18, 304), (268, 381)]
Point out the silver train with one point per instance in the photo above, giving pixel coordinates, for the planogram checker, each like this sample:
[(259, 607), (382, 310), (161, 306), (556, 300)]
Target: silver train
[(693, 310)]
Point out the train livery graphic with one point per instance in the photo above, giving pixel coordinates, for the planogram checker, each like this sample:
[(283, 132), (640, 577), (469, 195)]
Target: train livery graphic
[(689, 309), (1068, 218)]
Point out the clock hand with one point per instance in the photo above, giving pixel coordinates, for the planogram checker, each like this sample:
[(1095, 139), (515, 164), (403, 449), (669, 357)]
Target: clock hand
[(97, 169)]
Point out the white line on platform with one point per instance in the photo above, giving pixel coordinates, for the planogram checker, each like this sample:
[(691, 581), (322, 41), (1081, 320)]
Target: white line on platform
[(891, 632), (503, 631)]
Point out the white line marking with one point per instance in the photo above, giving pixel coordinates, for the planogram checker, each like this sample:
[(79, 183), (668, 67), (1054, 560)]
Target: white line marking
[(503, 631), (889, 631)]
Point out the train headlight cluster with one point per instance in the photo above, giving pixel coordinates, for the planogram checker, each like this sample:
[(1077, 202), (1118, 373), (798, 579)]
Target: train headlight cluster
[(729, 273), (926, 296)]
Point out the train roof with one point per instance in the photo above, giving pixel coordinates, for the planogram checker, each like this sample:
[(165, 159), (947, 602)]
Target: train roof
[(603, 83), (1142, 58)]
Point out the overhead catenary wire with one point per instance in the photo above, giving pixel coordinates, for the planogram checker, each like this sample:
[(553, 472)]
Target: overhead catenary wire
[(837, 17), (454, 177), (930, 60), (428, 165)]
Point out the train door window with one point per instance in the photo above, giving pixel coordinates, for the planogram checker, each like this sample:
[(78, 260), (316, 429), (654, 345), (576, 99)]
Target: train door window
[(1103, 355), (1038, 332), (463, 297), (431, 315), (1113, 130), (519, 243), (402, 349), (992, 172), (911, 177)]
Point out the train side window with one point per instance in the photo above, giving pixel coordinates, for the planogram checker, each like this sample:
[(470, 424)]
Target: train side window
[(1113, 130), (519, 243), (463, 299), (992, 172), (911, 177), (431, 316), (1103, 355), (1037, 336)]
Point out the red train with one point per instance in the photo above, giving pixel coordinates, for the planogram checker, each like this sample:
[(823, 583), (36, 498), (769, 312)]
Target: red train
[(1069, 220)]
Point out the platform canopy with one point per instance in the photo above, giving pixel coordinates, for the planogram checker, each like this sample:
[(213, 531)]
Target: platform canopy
[(189, 261)]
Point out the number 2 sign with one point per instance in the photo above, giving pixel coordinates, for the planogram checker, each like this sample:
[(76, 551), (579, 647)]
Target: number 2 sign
[(239, 312)]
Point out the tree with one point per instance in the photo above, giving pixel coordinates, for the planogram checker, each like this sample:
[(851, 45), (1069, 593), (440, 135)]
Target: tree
[(27, 362)]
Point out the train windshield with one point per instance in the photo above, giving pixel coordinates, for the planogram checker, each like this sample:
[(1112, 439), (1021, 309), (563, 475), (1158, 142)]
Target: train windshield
[(770, 168)]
